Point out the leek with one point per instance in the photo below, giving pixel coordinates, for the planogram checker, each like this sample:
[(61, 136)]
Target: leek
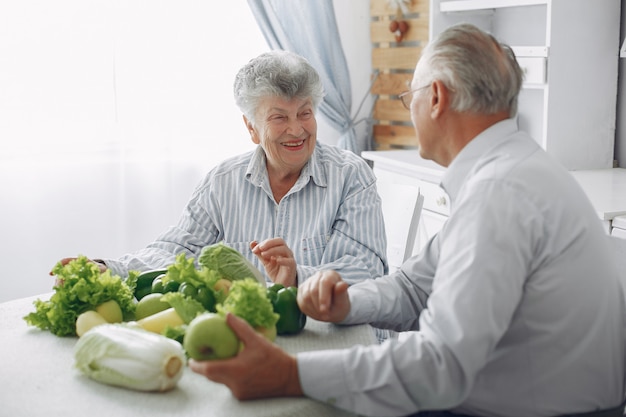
[(119, 355)]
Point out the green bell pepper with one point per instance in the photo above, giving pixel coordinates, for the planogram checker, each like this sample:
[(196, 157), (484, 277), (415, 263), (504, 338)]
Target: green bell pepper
[(285, 304)]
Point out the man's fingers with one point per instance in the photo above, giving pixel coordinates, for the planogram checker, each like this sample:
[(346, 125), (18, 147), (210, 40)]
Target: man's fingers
[(340, 288), (242, 329), (328, 282)]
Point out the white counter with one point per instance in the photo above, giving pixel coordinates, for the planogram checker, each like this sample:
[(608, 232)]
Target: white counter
[(406, 162), (606, 188)]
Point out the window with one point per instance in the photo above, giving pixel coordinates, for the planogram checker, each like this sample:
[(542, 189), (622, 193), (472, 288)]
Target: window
[(110, 113), (142, 76)]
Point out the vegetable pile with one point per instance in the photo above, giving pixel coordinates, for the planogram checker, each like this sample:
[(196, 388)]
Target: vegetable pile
[(165, 301), (132, 332)]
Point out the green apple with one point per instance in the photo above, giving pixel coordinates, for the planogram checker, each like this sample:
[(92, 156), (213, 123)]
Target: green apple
[(111, 311), (208, 337), (149, 305)]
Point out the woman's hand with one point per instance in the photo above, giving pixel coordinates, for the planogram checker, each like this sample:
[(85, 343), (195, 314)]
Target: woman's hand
[(65, 261), (324, 297), (278, 261), (260, 370)]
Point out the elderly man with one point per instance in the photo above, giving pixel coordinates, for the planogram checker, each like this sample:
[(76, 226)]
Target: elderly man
[(513, 309)]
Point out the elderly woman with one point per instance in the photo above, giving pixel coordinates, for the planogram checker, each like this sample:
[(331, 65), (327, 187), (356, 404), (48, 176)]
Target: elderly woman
[(292, 206)]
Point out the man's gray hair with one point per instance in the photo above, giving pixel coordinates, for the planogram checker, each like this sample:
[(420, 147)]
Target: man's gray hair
[(276, 74), (483, 73)]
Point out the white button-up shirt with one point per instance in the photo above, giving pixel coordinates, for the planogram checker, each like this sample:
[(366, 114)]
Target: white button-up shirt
[(331, 218), (517, 300)]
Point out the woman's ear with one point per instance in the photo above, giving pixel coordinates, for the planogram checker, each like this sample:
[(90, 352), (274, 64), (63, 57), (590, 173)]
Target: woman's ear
[(251, 130)]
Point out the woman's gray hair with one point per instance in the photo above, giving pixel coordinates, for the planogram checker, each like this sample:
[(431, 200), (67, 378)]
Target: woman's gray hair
[(483, 74), (276, 74)]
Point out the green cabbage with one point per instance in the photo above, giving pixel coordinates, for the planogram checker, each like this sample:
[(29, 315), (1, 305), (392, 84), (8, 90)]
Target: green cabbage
[(228, 262)]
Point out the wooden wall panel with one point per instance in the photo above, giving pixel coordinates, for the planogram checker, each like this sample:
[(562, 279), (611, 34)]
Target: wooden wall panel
[(398, 58), (418, 30), (391, 110), (390, 136), (391, 84), (393, 63), (380, 8)]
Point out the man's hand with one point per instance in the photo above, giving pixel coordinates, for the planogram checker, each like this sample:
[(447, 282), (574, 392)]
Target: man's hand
[(324, 297), (260, 370), (278, 261)]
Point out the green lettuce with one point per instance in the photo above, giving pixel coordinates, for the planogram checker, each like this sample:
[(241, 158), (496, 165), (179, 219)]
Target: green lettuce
[(184, 270), (228, 262), (83, 287), (248, 299)]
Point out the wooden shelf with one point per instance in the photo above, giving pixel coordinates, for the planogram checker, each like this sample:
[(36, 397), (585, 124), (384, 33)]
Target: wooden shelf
[(468, 5)]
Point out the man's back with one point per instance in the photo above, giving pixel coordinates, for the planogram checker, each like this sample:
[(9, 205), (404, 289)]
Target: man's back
[(563, 343)]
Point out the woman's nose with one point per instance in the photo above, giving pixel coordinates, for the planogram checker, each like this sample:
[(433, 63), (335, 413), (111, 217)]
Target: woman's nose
[(295, 128)]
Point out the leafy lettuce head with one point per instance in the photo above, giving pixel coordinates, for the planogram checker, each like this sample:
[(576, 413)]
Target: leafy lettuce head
[(83, 288), (248, 299)]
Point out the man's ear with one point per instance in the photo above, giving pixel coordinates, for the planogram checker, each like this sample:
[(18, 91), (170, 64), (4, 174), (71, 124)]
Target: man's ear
[(439, 98), (251, 130)]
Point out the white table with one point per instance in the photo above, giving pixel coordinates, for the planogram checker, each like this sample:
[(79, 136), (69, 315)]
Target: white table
[(38, 378)]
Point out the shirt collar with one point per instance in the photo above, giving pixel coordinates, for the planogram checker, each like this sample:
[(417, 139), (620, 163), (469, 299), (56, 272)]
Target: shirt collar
[(461, 166), (312, 170)]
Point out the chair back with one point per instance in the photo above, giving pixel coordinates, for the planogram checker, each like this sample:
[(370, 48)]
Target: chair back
[(402, 208)]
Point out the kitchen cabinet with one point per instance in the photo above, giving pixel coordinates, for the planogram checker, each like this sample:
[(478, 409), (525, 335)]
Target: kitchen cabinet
[(407, 167), (567, 49)]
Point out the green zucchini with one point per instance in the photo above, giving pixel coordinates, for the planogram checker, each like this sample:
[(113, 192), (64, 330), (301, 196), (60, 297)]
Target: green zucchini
[(144, 282)]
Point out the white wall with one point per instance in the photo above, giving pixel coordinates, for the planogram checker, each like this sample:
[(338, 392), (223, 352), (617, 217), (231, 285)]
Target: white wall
[(111, 112)]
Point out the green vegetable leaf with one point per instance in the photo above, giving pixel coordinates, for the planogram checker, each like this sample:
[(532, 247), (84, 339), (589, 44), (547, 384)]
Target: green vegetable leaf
[(83, 288), (228, 262), (131, 280), (247, 299), (184, 270), (186, 307)]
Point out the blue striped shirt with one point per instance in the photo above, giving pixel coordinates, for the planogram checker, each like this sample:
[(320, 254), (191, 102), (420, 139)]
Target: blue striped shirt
[(330, 219)]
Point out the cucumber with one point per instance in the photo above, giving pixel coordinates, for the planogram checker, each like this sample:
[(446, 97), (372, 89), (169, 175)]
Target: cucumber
[(144, 282)]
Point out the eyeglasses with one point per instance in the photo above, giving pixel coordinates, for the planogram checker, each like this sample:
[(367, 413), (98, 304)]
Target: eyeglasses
[(407, 96)]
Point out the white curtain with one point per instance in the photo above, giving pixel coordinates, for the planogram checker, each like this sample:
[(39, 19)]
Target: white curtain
[(110, 113)]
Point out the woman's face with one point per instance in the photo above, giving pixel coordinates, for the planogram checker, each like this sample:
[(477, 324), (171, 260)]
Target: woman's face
[(286, 130)]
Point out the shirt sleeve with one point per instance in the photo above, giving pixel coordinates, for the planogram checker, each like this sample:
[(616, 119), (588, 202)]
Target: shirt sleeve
[(195, 229), (396, 301), (459, 328)]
